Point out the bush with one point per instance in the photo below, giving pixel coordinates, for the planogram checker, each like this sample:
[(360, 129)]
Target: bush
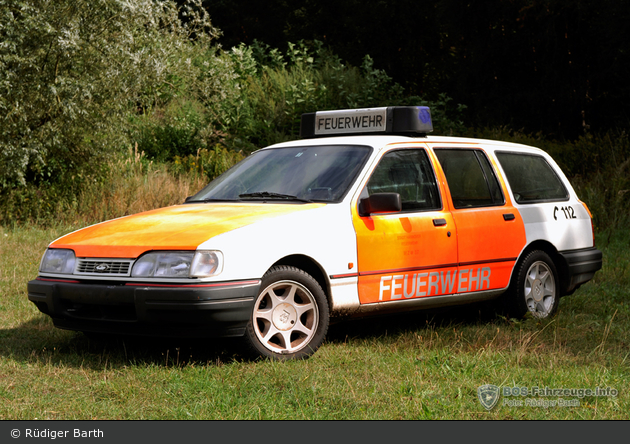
[(80, 82), (174, 131), (278, 88), (71, 72)]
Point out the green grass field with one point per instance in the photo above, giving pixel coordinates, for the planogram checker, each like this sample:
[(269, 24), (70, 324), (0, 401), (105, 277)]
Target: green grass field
[(411, 366)]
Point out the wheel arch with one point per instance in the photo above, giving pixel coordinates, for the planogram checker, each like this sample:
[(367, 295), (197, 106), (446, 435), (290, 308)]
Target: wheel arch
[(559, 261), (310, 266)]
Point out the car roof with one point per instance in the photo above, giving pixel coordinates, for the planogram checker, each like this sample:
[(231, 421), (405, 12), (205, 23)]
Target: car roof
[(379, 142)]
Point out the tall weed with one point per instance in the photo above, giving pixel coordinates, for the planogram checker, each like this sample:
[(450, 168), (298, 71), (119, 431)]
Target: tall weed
[(134, 184), (206, 163), (130, 184)]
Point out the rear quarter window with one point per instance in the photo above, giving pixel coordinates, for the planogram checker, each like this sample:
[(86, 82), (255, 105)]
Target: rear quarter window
[(531, 178)]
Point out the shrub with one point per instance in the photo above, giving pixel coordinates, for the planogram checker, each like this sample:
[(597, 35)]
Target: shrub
[(71, 71), (173, 131), (80, 81), (278, 88)]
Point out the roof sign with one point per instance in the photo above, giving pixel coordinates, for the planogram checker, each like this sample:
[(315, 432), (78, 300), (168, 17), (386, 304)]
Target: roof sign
[(387, 120)]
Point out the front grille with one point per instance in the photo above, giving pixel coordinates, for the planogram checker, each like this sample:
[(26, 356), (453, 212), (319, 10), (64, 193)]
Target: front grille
[(104, 267)]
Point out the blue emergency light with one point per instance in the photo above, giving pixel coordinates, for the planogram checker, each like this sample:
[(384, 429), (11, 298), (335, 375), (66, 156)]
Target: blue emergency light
[(404, 120)]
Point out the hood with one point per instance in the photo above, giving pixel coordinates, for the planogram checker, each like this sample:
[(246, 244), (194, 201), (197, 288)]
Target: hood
[(181, 227)]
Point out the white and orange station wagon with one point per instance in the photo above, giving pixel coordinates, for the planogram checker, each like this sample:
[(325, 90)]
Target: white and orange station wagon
[(365, 214)]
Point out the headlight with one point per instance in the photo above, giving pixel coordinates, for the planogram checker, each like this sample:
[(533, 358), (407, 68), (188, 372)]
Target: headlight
[(178, 264), (58, 261)]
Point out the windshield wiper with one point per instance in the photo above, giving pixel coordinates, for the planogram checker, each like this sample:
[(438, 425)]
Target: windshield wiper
[(270, 195), (211, 200)]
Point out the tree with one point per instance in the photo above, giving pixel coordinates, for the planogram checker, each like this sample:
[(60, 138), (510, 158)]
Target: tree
[(71, 71), (543, 65)]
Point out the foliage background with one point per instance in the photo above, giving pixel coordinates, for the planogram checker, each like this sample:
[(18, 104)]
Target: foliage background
[(99, 99), (539, 65), (113, 107)]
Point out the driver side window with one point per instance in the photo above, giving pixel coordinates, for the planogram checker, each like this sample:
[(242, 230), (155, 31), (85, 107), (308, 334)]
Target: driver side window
[(408, 173)]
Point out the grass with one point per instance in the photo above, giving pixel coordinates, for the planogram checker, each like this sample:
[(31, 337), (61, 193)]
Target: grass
[(409, 366)]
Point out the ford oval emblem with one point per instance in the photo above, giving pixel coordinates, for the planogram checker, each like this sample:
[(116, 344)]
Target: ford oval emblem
[(101, 268)]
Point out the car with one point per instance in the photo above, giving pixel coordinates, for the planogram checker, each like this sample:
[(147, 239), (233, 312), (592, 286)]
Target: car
[(365, 214)]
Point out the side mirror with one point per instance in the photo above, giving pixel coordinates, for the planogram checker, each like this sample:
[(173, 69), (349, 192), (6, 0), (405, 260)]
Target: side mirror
[(380, 203)]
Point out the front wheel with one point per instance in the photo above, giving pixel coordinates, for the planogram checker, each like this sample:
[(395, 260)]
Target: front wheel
[(536, 288), (290, 315)]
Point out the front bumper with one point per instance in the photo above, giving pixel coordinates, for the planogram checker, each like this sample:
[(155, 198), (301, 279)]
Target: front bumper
[(193, 310), (581, 266)]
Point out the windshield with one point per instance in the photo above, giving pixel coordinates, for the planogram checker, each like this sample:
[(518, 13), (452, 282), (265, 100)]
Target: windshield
[(305, 173)]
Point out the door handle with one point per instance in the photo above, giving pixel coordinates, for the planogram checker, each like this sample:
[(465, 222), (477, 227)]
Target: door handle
[(439, 222), (508, 216)]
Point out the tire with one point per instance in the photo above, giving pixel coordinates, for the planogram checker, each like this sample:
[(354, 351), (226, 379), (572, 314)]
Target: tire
[(536, 289), (290, 316)]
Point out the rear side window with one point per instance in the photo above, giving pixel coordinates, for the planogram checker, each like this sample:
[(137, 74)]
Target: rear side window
[(470, 178), (531, 178)]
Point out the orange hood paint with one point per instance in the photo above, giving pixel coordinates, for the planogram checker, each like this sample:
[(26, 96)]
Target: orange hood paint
[(181, 227)]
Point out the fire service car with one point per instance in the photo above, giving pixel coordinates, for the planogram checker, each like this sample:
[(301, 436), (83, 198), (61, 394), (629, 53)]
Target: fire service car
[(364, 214)]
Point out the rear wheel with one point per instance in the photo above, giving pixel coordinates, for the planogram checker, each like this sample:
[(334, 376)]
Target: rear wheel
[(536, 289), (290, 315)]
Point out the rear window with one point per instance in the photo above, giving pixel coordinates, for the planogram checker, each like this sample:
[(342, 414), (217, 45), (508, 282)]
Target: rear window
[(531, 178)]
